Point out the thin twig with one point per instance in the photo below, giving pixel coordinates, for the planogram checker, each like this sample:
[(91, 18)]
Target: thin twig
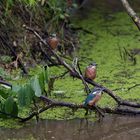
[(136, 85)]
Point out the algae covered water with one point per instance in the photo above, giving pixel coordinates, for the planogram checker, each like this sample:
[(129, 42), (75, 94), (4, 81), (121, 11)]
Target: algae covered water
[(110, 128)]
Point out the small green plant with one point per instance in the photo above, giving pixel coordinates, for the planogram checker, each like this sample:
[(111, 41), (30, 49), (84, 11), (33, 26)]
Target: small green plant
[(22, 95)]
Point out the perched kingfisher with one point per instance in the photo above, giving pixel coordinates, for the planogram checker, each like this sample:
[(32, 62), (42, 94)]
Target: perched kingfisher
[(94, 96), (53, 41), (90, 71)]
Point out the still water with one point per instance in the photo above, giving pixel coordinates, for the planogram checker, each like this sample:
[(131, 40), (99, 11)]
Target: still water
[(109, 128)]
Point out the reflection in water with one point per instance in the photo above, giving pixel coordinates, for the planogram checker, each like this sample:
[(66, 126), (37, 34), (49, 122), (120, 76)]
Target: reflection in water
[(110, 128)]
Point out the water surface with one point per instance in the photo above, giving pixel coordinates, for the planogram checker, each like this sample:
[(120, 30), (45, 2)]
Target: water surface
[(109, 128)]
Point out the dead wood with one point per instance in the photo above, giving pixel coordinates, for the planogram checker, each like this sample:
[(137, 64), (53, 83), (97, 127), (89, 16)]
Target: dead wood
[(73, 72), (131, 13), (52, 104)]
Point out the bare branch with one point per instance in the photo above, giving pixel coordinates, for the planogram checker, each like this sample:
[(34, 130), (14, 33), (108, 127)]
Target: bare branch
[(52, 103), (131, 13), (5, 83)]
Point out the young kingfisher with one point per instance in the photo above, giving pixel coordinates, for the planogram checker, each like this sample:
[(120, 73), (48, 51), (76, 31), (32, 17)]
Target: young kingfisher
[(94, 96), (90, 71)]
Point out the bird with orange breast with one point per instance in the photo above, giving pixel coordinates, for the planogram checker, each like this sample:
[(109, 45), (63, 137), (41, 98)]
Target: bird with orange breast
[(53, 41), (90, 71)]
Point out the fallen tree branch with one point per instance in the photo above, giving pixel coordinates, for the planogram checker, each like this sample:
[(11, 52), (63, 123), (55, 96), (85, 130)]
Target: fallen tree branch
[(62, 62), (35, 113), (115, 97), (52, 103), (76, 74), (46, 55)]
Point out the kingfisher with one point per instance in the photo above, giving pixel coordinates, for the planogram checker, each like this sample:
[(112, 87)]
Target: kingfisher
[(90, 71), (53, 41), (94, 96)]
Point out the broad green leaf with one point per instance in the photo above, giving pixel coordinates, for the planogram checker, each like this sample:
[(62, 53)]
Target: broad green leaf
[(9, 105), (2, 100), (16, 88), (22, 96), (36, 86), (15, 109), (3, 94), (29, 94)]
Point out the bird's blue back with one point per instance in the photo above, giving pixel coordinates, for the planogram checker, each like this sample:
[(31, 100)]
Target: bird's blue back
[(92, 94)]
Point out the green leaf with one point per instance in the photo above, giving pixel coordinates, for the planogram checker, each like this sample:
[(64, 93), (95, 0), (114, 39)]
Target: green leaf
[(36, 86), (15, 109), (9, 105), (29, 94), (16, 88), (42, 81), (3, 94), (22, 96)]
